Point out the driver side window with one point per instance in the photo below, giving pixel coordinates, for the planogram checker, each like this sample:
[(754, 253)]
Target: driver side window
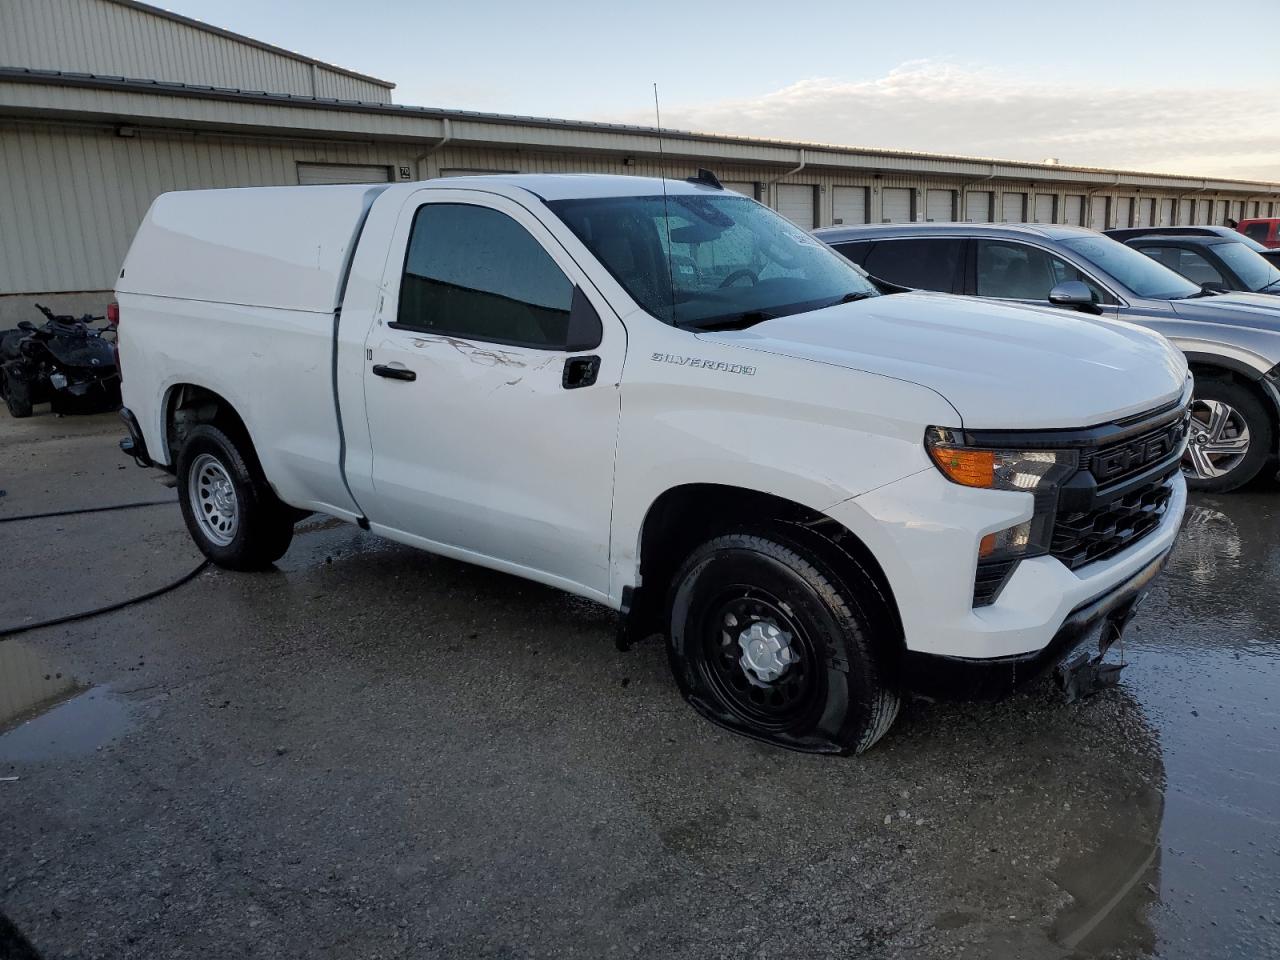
[(1016, 271)]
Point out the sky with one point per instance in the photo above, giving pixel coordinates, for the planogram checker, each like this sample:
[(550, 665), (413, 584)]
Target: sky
[(1169, 86)]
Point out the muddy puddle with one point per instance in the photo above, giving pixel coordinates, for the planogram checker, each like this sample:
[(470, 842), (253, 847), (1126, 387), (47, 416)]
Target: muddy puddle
[(45, 714)]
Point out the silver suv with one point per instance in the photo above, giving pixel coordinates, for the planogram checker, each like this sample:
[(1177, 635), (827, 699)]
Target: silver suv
[(1232, 340)]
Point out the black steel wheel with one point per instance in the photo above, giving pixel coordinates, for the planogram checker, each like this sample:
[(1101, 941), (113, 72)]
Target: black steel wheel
[(766, 639)]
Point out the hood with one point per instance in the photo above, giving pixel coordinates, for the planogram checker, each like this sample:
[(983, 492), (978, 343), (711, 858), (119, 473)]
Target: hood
[(1257, 311), (1001, 366)]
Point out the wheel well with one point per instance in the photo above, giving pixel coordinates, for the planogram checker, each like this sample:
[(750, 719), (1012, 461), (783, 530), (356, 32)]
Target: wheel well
[(188, 405), (685, 516), (1208, 371)]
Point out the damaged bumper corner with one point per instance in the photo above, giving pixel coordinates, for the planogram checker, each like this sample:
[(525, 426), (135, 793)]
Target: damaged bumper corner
[(960, 677)]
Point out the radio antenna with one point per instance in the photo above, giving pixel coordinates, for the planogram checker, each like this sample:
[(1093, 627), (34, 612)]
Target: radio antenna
[(666, 210)]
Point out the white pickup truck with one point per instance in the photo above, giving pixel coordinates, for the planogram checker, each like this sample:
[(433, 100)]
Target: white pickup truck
[(664, 397)]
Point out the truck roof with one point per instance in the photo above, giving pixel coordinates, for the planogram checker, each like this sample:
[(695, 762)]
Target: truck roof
[(290, 247)]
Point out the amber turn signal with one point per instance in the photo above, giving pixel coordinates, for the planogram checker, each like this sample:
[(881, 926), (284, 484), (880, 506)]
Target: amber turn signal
[(970, 468)]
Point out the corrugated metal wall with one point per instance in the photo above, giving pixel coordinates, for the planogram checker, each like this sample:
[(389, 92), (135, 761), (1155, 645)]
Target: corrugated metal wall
[(71, 197), (75, 194), (98, 36)]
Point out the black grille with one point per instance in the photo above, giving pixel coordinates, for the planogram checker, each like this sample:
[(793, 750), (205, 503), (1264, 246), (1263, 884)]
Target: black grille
[(990, 580), (1111, 525), (1117, 462)]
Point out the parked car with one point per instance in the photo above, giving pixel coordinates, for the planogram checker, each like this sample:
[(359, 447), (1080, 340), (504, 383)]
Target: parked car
[(1124, 234), (666, 398), (1213, 262), (1232, 341), (1264, 230)]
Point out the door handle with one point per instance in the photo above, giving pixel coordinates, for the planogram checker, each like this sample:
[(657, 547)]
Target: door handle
[(393, 373)]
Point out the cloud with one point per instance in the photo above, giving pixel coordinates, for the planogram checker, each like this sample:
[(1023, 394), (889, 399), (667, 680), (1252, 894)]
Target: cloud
[(943, 107)]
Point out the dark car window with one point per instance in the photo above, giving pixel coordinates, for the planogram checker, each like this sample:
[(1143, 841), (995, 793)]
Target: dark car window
[(1016, 271), (924, 264), (857, 252), (475, 273), (1142, 275), (1192, 265), (1257, 231), (1254, 271)]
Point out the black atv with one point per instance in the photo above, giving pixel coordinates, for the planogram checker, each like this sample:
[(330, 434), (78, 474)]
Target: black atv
[(66, 362)]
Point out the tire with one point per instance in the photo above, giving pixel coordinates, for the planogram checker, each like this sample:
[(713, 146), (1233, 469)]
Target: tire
[(1231, 437), (17, 393), (230, 510), (816, 685)]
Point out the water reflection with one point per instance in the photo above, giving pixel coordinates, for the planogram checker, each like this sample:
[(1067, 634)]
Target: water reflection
[(28, 684)]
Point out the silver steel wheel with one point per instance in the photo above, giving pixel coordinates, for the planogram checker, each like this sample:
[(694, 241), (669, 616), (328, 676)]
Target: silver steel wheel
[(1218, 440), (213, 499)]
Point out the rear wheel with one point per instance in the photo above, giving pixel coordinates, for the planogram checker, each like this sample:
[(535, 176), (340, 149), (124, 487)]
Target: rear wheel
[(1230, 437), (767, 640), (230, 510), (17, 391)]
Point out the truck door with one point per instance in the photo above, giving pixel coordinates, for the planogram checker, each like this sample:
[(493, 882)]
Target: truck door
[(491, 380)]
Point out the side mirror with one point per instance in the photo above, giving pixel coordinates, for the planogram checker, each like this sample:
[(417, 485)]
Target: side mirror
[(1073, 293)]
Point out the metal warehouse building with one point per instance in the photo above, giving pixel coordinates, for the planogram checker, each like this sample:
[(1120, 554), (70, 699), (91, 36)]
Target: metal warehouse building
[(106, 103)]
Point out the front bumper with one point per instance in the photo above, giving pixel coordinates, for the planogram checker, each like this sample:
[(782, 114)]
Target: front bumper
[(924, 532), (941, 676)]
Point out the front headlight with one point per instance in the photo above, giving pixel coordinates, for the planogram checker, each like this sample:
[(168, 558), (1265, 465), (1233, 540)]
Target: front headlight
[(1037, 472), (997, 469)]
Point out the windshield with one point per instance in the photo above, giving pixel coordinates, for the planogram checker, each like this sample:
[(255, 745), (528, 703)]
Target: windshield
[(706, 261), (1254, 271), (1139, 273)]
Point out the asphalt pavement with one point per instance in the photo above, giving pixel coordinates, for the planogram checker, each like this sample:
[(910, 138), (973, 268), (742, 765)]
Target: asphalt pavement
[(372, 752)]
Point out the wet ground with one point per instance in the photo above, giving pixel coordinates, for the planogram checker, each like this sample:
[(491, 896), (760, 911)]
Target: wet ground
[(371, 752)]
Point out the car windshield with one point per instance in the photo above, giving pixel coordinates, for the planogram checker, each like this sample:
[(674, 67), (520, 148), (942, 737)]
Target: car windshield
[(1139, 273), (1254, 271), (711, 260)]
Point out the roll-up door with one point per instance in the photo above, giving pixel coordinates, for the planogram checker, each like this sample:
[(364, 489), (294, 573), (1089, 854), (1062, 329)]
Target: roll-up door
[(1166, 213), (738, 186), (849, 205), (1074, 210), (795, 202), (940, 205), (1204, 211), (1044, 207), (1237, 209), (977, 206), (1219, 212), (1123, 211), (896, 205), (1013, 207), (1098, 213), (1254, 206), (1146, 212), (312, 173)]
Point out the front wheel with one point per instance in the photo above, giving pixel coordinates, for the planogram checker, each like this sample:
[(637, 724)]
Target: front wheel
[(230, 510), (17, 392), (766, 640), (1229, 440)]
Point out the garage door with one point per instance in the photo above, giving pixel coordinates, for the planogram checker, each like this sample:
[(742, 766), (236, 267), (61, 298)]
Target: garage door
[(977, 206), (896, 204), (1253, 208), (1013, 207), (1044, 207), (1166, 213), (849, 205), (1098, 213), (795, 202), (1123, 207), (940, 205), (1073, 209), (1204, 211), (309, 173), (1219, 212), (1237, 209), (738, 186), (1146, 213)]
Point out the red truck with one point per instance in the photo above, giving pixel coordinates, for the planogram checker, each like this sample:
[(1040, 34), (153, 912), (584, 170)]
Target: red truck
[(1265, 230)]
